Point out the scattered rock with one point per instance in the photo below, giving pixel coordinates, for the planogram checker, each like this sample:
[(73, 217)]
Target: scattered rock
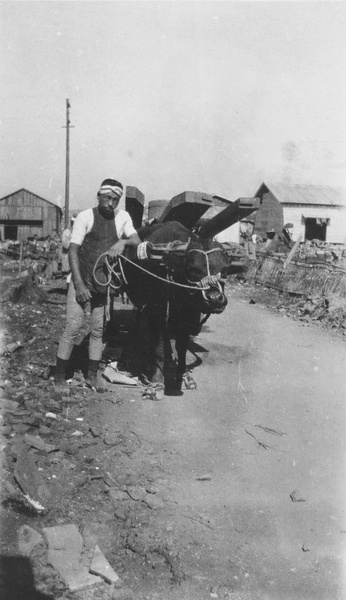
[(69, 448), (28, 538), (117, 495), (11, 489), (20, 428), (6, 404), (36, 442), (297, 496), (100, 566), (96, 431), (65, 546), (30, 481), (112, 439), (136, 492), (205, 477), (154, 502)]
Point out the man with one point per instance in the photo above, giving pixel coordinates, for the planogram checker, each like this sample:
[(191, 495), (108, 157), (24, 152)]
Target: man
[(271, 234), (96, 231)]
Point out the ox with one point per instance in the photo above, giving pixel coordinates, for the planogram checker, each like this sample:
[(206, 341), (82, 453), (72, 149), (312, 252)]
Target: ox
[(172, 295)]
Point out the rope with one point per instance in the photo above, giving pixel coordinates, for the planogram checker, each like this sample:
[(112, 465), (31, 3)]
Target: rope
[(202, 285), (108, 305), (209, 279), (111, 272), (168, 281)]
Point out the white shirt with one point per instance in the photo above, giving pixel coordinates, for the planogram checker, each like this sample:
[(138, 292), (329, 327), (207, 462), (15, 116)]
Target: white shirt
[(85, 220)]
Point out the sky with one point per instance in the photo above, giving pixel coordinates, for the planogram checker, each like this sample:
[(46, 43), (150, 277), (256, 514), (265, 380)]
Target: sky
[(168, 96)]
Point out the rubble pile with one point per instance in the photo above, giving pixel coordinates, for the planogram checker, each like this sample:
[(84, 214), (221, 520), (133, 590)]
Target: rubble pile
[(314, 251), (73, 489), (311, 310), (317, 251), (44, 257)]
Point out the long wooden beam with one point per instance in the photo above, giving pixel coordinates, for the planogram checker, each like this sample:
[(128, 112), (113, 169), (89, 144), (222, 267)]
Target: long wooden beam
[(238, 210)]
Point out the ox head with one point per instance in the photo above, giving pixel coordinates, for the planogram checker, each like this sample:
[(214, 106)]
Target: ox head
[(203, 266)]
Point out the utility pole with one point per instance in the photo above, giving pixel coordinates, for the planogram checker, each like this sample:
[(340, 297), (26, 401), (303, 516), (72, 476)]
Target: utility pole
[(67, 176)]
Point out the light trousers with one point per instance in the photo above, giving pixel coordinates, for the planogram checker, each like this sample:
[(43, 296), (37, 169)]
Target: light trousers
[(75, 315)]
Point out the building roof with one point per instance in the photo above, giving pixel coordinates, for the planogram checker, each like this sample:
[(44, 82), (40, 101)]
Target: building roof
[(305, 194), (32, 193)]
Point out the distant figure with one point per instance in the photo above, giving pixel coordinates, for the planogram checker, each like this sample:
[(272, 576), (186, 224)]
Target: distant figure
[(287, 232), (255, 238), (271, 233), (46, 244), (281, 242), (246, 230), (33, 240)]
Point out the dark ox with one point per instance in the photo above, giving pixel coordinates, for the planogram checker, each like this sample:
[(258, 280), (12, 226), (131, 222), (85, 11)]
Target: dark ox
[(168, 311)]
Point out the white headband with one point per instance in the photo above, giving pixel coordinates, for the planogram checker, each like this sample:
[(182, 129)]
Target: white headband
[(113, 189)]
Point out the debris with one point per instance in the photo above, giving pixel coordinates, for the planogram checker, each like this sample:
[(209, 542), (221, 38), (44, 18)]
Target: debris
[(69, 448), (28, 538), (112, 375), (153, 502), (6, 404), (112, 439), (65, 546), (272, 431), (198, 521), (10, 348), (205, 477), (115, 494), (30, 481), (100, 566), (52, 405), (50, 415), (38, 443), (10, 488), (260, 444), (297, 496), (305, 548), (95, 430), (136, 492)]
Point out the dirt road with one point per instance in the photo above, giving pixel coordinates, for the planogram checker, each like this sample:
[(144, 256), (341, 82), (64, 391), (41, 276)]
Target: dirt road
[(234, 490), (266, 422)]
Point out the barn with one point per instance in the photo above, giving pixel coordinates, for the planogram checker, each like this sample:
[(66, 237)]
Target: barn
[(316, 212), (24, 214)]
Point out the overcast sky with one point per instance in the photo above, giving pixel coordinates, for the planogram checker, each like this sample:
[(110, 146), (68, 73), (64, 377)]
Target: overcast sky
[(172, 96)]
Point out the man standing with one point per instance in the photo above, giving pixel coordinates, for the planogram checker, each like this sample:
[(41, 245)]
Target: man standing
[(96, 231)]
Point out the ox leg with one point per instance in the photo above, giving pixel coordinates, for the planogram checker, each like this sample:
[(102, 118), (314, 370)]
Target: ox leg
[(157, 330), (181, 345), (187, 326), (183, 378)]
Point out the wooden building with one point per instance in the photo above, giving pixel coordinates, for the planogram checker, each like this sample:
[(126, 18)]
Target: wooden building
[(318, 212), (24, 214)]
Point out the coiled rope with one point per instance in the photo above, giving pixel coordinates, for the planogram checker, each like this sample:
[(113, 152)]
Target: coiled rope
[(202, 285)]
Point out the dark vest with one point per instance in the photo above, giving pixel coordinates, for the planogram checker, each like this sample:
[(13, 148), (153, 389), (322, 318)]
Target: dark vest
[(99, 240)]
